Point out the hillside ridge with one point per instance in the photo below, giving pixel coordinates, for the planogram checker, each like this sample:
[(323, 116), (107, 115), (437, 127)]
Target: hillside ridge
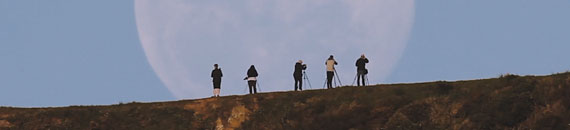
[(507, 102)]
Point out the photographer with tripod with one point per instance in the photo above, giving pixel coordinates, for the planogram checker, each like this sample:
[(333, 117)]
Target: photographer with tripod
[(330, 63), (251, 79), (298, 74), (361, 70)]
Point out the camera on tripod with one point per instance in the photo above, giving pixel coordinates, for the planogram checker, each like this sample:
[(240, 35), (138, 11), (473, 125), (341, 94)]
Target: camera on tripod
[(304, 66)]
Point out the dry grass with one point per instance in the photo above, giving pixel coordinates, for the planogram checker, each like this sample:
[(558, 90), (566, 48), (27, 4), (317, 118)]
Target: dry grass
[(507, 102)]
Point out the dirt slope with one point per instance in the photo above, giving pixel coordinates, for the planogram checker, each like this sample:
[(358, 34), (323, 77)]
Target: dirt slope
[(508, 102)]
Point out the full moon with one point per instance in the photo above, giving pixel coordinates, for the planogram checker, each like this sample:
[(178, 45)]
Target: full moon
[(182, 39)]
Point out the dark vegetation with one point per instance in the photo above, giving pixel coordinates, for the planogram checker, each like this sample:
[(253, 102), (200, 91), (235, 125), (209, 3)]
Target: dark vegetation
[(507, 102)]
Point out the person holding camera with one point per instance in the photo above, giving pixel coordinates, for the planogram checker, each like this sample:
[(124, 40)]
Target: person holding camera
[(252, 79), (298, 74), (330, 70), (361, 70), (217, 79)]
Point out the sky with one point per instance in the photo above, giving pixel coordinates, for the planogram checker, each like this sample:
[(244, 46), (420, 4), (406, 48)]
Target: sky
[(61, 53), (183, 39)]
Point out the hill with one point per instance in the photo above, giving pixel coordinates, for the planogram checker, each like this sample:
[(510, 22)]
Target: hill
[(507, 102)]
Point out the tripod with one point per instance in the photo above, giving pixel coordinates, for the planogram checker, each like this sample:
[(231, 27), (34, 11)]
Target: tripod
[(257, 86), (335, 80), (365, 78), (337, 77), (367, 81), (305, 77)]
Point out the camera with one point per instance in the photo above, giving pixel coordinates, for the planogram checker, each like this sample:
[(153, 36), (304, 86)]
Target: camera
[(304, 66)]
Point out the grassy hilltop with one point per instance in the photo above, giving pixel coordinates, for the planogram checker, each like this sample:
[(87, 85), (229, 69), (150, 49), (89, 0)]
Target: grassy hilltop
[(508, 102)]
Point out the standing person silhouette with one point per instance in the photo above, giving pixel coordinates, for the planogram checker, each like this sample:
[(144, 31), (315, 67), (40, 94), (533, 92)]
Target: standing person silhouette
[(217, 80), (252, 79), (298, 74), (361, 70), (330, 63)]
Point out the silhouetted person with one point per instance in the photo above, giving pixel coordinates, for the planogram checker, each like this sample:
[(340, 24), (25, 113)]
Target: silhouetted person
[(252, 79), (330, 70), (217, 79), (361, 70), (298, 74)]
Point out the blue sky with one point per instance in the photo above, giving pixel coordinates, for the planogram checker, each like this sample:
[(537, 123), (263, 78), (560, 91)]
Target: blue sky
[(59, 53), (456, 40)]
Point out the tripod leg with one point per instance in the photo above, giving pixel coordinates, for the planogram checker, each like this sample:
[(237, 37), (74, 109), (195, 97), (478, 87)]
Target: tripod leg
[(354, 79), (309, 82), (325, 83), (258, 87), (338, 78), (367, 81), (307, 77)]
